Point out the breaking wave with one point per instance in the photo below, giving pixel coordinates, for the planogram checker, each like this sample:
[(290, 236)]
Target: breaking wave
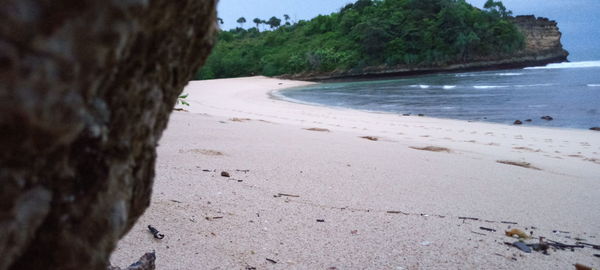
[(509, 74), (584, 64), (488, 86)]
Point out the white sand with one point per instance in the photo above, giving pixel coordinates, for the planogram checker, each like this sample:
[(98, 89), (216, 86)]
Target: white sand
[(351, 183)]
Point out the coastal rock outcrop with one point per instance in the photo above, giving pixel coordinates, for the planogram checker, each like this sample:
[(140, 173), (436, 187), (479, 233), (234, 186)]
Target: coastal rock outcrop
[(86, 89), (542, 39), (542, 45)]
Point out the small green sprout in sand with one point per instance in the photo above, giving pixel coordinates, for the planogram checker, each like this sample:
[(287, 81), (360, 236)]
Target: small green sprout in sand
[(181, 100)]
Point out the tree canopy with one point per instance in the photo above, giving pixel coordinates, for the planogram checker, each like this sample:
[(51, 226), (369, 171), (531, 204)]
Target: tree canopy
[(368, 33), (241, 21)]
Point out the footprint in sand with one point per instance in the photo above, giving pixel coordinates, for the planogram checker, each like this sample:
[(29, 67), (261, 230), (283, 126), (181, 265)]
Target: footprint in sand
[(236, 119), (432, 149), (527, 149), (318, 129), (206, 152), (585, 144), (370, 138), (518, 137)]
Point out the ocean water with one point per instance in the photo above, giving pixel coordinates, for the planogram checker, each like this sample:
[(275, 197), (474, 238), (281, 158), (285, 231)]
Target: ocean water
[(569, 92)]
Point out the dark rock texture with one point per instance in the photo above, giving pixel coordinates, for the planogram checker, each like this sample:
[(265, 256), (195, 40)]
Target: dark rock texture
[(146, 262), (86, 89), (542, 46)]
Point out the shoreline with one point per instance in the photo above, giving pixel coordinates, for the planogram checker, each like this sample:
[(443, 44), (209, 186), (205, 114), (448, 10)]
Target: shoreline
[(276, 95), (375, 73), (397, 202)]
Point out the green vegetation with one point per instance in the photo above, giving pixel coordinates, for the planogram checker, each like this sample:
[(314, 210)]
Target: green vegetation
[(368, 33), (182, 100)]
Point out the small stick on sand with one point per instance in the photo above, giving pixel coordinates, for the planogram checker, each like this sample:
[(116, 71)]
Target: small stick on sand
[(287, 195), (370, 138), (519, 164), (397, 212), (487, 229), (318, 129)]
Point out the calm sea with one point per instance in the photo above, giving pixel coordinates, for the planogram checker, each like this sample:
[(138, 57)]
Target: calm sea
[(568, 92)]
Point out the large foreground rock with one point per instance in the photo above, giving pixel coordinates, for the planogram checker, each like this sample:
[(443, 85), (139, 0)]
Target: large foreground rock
[(86, 88)]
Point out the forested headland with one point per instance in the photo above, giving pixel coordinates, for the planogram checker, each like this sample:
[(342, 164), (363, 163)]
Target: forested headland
[(367, 33)]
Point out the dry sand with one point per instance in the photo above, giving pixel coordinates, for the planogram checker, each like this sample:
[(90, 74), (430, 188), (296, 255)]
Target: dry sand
[(390, 203)]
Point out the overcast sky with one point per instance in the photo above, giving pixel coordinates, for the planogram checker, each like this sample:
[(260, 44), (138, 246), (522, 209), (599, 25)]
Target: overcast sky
[(579, 20)]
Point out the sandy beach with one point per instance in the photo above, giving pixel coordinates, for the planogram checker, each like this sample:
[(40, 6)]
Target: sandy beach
[(308, 191)]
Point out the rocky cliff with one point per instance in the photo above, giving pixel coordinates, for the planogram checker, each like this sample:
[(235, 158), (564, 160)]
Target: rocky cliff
[(542, 46), (86, 89), (542, 39)]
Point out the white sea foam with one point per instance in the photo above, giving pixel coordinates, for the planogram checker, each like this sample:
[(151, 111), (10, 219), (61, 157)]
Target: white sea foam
[(449, 87), (593, 85), (584, 64), (488, 86), (509, 74), (533, 85), (467, 75), (424, 86)]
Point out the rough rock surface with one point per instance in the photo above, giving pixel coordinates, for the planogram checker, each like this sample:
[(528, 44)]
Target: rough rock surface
[(542, 38), (542, 46), (146, 262), (86, 89)]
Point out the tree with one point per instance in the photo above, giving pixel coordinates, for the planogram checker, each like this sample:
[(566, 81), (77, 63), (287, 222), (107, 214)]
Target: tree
[(286, 17), (241, 21), (368, 33), (497, 8), (257, 21), (274, 22)]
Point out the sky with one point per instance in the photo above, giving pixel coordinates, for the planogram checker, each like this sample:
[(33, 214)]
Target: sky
[(578, 20)]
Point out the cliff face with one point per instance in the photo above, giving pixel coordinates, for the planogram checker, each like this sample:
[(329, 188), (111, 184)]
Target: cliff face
[(86, 89), (542, 38), (542, 46)]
